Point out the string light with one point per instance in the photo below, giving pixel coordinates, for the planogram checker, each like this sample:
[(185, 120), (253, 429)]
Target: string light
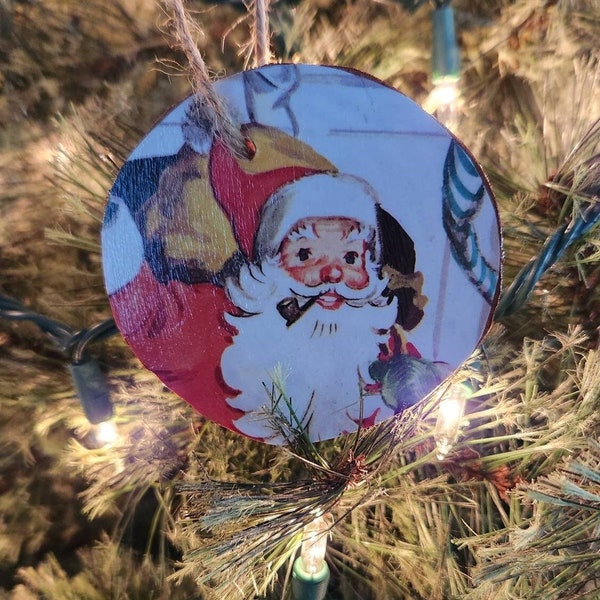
[(444, 98), (450, 416), (88, 378), (311, 573)]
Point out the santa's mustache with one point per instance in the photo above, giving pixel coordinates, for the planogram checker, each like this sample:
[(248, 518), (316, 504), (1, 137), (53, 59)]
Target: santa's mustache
[(351, 297), (255, 285), (303, 297)]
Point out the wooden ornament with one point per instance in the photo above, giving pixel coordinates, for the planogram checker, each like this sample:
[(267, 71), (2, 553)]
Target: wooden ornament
[(331, 277)]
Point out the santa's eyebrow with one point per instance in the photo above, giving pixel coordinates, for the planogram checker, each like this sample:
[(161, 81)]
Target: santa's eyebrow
[(357, 232), (300, 232)]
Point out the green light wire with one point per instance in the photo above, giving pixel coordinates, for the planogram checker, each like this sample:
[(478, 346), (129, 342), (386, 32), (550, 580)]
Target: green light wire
[(517, 294), (88, 378)]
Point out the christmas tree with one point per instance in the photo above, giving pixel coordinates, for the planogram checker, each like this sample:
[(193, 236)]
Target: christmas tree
[(173, 506)]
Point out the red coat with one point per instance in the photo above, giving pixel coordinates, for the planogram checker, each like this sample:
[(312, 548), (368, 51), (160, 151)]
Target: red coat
[(168, 327)]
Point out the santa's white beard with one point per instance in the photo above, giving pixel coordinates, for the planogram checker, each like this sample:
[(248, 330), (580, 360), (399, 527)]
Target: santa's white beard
[(318, 361)]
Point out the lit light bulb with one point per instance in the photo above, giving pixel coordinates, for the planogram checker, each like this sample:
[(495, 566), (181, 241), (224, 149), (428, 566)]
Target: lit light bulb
[(311, 573), (105, 433), (314, 545), (443, 101), (451, 411)]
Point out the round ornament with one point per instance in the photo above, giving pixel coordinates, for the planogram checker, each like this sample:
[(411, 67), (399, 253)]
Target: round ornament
[(329, 278)]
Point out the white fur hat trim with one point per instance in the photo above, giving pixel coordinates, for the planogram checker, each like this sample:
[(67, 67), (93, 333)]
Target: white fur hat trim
[(314, 196)]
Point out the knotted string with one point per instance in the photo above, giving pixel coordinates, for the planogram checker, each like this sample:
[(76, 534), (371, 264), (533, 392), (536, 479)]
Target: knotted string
[(209, 104)]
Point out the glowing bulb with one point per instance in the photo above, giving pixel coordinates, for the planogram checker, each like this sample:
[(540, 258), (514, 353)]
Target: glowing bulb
[(443, 102), (314, 545), (444, 98), (106, 433), (450, 415), (311, 573), (446, 92)]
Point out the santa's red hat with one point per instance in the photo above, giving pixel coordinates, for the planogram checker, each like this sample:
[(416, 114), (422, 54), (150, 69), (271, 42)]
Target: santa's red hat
[(316, 196)]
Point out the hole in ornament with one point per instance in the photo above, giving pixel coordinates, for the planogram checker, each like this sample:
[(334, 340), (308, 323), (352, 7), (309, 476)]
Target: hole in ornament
[(250, 148)]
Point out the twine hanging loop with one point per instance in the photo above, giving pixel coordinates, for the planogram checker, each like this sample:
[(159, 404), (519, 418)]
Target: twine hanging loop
[(208, 104)]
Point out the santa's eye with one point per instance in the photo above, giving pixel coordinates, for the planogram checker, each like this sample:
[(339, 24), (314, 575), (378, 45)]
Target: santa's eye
[(350, 257), (303, 254)]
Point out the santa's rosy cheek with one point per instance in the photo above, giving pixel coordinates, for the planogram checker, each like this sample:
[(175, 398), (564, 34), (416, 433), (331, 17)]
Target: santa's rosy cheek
[(311, 277), (303, 274), (357, 279), (353, 276)]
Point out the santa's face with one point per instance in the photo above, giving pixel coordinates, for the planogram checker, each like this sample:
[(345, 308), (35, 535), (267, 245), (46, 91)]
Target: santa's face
[(321, 251), (319, 353)]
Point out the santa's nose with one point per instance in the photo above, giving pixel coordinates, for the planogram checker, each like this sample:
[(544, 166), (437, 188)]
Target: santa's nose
[(331, 273)]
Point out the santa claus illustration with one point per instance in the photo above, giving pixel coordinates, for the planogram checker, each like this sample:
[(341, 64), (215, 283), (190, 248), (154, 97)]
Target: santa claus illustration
[(315, 312), (276, 295)]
